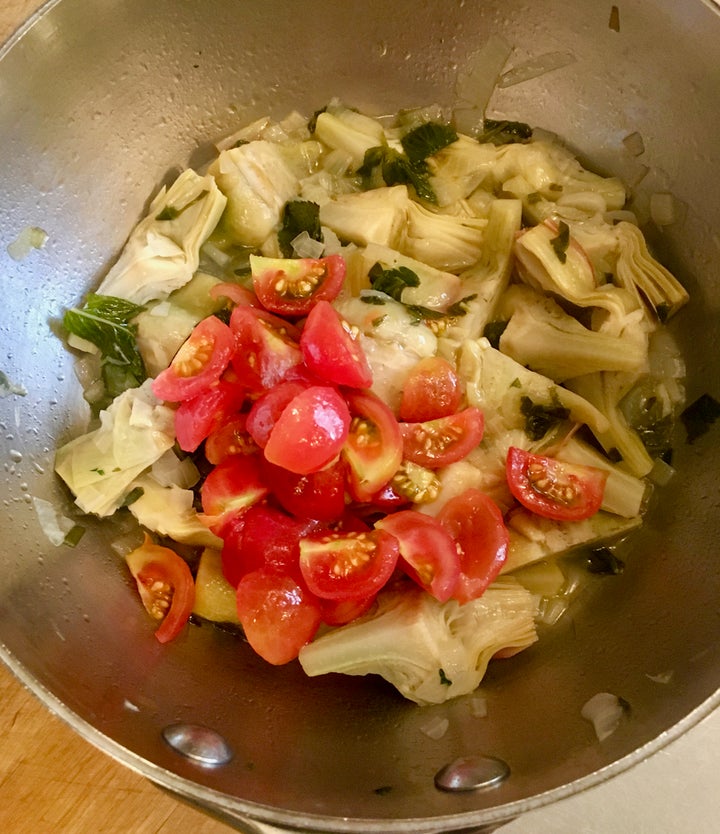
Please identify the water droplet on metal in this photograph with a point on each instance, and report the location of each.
(471, 773)
(201, 744)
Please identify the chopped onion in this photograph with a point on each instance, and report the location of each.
(478, 707)
(634, 143)
(436, 727)
(664, 208)
(31, 237)
(222, 259)
(169, 469)
(161, 310)
(52, 523)
(551, 609)
(305, 246)
(662, 473)
(661, 677)
(338, 162)
(536, 67)
(604, 711)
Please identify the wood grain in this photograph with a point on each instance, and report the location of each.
(51, 780)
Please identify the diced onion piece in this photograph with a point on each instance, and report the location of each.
(663, 209)
(604, 711)
(305, 246)
(662, 473)
(535, 67)
(661, 677)
(52, 523)
(478, 707)
(634, 143)
(551, 609)
(31, 237)
(435, 728)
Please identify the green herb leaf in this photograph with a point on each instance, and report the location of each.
(171, 212)
(493, 331)
(397, 169)
(444, 679)
(427, 139)
(132, 496)
(106, 321)
(298, 216)
(539, 419)
(392, 281)
(460, 308)
(561, 241)
(312, 124)
(74, 535)
(504, 132)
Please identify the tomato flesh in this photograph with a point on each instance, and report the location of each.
(266, 410)
(165, 584)
(348, 565)
(199, 362)
(552, 488)
(266, 347)
(293, 286)
(196, 418)
(310, 431)
(431, 390)
(231, 487)
(331, 349)
(278, 615)
(319, 495)
(476, 524)
(428, 553)
(437, 443)
(229, 438)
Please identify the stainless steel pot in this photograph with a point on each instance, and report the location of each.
(98, 102)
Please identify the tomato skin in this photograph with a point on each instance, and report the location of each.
(278, 615)
(437, 443)
(319, 495)
(199, 362)
(293, 286)
(331, 351)
(476, 524)
(552, 488)
(235, 294)
(431, 390)
(310, 431)
(231, 487)
(229, 438)
(266, 347)
(374, 446)
(345, 565)
(266, 410)
(428, 553)
(195, 419)
(165, 585)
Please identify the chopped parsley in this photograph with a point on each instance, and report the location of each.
(539, 419)
(392, 281)
(504, 132)
(493, 331)
(444, 679)
(298, 216)
(561, 241)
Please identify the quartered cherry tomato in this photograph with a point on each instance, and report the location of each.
(310, 431)
(331, 349)
(229, 438)
(269, 406)
(431, 390)
(266, 347)
(476, 524)
(437, 443)
(231, 487)
(428, 553)
(552, 488)
(278, 615)
(293, 286)
(196, 418)
(319, 495)
(347, 565)
(199, 362)
(165, 584)
(374, 448)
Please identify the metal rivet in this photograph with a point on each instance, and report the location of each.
(471, 773)
(201, 744)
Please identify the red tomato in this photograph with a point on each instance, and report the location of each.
(374, 447)
(201, 360)
(261, 537)
(269, 406)
(337, 612)
(232, 486)
(436, 443)
(475, 522)
(266, 347)
(278, 615)
(229, 438)
(431, 390)
(331, 349)
(554, 489)
(165, 584)
(292, 286)
(347, 565)
(428, 553)
(195, 419)
(310, 432)
(234, 293)
(319, 495)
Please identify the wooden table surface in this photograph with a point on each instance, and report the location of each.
(72, 788)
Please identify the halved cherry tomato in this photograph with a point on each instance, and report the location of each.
(319, 495)
(231, 487)
(165, 584)
(374, 447)
(431, 390)
(269, 406)
(199, 362)
(231, 437)
(195, 419)
(261, 537)
(266, 347)
(292, 286)
(428, 553)
(476, 524)
(331, 349)
(554, 489)
(347, 565)
(437, 443)
(278, 615)
(310, 432)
